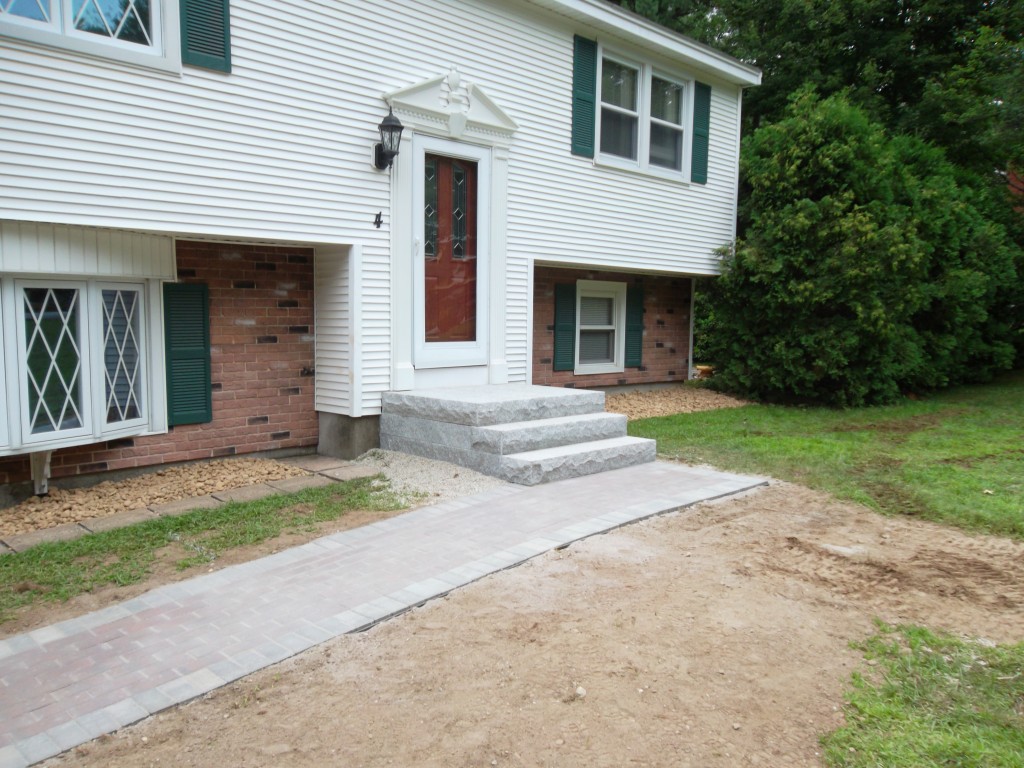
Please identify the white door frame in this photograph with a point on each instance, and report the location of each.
(449, 116)
(453, 353)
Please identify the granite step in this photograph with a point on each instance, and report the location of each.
(493, 404)
(521, 436)
(550, 464)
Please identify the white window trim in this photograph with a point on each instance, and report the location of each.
(643, 164)
(14, 423)
(616, 292)
(445, 354)
(164, 54)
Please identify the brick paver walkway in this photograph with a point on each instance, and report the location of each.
(65, 684)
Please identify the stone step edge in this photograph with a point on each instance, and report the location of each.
(529, 408)
(551, 464)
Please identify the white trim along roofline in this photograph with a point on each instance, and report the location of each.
(604, 16)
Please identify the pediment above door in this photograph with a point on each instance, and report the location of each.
(451, 107)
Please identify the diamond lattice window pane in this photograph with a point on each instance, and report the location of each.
(54, 360)
(122, 359)
(37, 10)
(127, 20)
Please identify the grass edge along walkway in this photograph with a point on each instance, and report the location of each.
(57, 571)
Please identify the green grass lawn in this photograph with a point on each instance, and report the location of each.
(955, 458)
(60, 570)
(933, 700)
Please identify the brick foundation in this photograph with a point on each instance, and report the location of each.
(261, 334)
(666, 348)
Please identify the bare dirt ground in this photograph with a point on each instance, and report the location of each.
(714, 637)
(711, 638)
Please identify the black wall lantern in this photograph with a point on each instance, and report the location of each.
(390, 136)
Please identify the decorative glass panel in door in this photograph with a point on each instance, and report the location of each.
(122, 358)
(450, 254)
(53, 357)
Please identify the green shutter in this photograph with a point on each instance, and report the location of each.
(564, 357)
(187, 339)
(206, 34)
(634, 326)
(701, 133)
(584, 96)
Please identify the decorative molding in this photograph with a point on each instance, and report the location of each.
(449, 106)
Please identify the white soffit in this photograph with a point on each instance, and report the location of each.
(611, 19)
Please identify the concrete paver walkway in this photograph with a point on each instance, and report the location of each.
(68, 683)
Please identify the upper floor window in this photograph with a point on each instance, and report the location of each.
(154, 33)
(123, 21)
(632, 115)
(641, 115)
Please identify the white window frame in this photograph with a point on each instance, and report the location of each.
(643, 162)
(163, 54)
(617, 293)
(15, 424)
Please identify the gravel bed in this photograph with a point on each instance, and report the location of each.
(428, 480)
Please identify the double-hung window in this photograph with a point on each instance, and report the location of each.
(642, 115)
(630, 114)
(601, 320)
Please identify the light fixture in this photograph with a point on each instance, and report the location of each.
(390, 136)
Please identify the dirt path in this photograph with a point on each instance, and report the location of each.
(716, 637)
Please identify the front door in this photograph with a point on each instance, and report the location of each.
(449, 249)
(450, 210)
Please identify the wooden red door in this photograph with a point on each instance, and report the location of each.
(449, 251)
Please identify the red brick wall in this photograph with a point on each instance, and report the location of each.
(666, 349)
(261, 335)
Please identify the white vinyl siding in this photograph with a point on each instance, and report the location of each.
(333, 317)
(29, 247)
(5, 437)
(280, 150)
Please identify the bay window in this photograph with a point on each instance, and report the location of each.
(81, 373)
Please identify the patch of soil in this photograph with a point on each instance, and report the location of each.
(73, 505)
(713, 638)
(665, 401)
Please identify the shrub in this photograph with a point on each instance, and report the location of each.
(864, 269)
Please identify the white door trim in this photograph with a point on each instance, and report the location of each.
(453, 353)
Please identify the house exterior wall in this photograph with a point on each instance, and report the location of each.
(666, 340)
(261, 317)
(279, 150)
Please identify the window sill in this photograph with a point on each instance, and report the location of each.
(169, 61)
(651, 171)
(588, 370)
